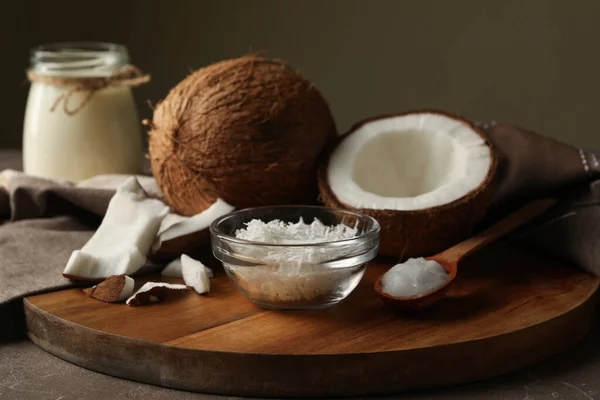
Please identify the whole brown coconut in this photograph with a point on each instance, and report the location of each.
(247, 130)
(406, 171)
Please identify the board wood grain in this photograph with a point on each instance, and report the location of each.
(509, 308)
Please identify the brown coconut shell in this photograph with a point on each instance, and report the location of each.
(109, 290)
(422, 233)
(247, 130)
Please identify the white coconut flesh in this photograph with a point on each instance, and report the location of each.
(173, 269)
(195, 274)
(408, 162)
(127, 289)
(175, 225)
(121, 242)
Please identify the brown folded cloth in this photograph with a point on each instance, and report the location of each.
(539, 166)
(535, 165)
(50, 219)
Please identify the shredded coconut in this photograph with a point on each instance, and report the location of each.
(279, 232)
(293, 259)
(290, 273)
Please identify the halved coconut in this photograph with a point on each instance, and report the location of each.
(425, 176)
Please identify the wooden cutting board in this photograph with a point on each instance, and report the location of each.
(509, 308)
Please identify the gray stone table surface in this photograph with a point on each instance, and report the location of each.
(27, 372)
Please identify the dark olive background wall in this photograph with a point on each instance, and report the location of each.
(531, 62)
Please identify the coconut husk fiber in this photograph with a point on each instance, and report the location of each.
(247, 130)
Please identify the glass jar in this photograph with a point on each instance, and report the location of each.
(79, 120)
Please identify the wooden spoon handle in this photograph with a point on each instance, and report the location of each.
(504, 226)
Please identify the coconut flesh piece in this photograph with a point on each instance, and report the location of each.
(194, 274)
(154, 292)
(177, 234)
(173, 270)
(124, 237)
(424, 176)
(114, 289)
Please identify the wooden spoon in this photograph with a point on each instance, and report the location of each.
(450, 258)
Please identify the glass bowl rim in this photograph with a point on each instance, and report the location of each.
(214, 230)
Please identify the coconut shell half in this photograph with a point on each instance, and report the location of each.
(426, 176)
(248, 130)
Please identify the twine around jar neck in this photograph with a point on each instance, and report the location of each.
(125, 76)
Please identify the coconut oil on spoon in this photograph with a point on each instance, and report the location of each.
(418, 283)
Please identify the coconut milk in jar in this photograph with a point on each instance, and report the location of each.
(81, 119)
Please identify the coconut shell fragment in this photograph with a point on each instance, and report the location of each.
(114, 289)
(248, 131)
(154, 292)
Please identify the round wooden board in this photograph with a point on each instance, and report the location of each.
(508, 309)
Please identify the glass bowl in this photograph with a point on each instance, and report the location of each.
(298, 275)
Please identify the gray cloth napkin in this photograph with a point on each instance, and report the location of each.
(34, 253)
(49, 219)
